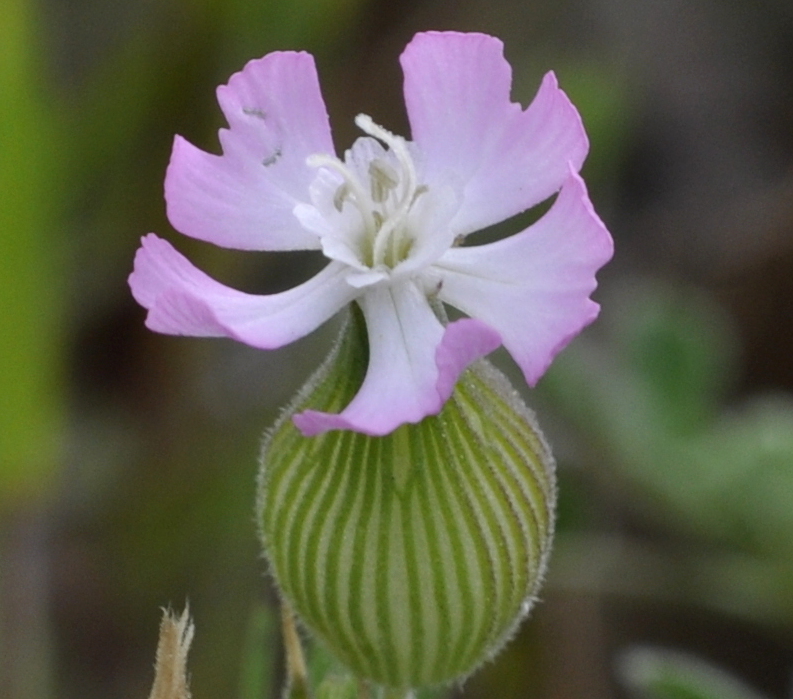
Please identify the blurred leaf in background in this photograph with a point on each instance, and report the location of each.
(650, 400)
(31, 282)
(32, 357)
(655, 673)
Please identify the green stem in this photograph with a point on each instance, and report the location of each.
(297, 675)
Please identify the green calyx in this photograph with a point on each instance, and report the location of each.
(334, 687)
(415, 555)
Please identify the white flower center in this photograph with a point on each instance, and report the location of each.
(382, 191)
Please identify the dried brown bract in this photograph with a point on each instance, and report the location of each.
(170, 673)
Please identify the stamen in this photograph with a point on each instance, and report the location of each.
(421, 189)
(341, 195)
(387, 234)
(355, 191)
(384, 202)
(398, 146)
(390, 237)
(383, 180)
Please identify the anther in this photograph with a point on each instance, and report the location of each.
(341, 195)
(383, 179)
(421, 189)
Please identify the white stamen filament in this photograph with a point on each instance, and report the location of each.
(392, 228)
(385, 206)
(359, 196)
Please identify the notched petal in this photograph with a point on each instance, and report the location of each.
(533, 288)
(182, 300)
(457, 91)
(244, 198)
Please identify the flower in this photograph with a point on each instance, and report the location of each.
(390, 217)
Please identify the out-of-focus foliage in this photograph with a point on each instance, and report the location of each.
(650, 399)
(31, 284)
(652, 673)
(257, 677)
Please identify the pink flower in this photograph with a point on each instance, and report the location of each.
(389, 217)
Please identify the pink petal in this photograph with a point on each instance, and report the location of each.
(182, 300)
(400, 382)
(464, 342)
(244, 198)
(533, 288)
(457, 91)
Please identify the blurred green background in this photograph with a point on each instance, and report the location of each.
(128, 459)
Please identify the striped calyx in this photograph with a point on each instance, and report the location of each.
(412, 556)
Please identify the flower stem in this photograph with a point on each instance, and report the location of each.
(297, 675)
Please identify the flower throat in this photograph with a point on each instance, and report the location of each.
(384, 206)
